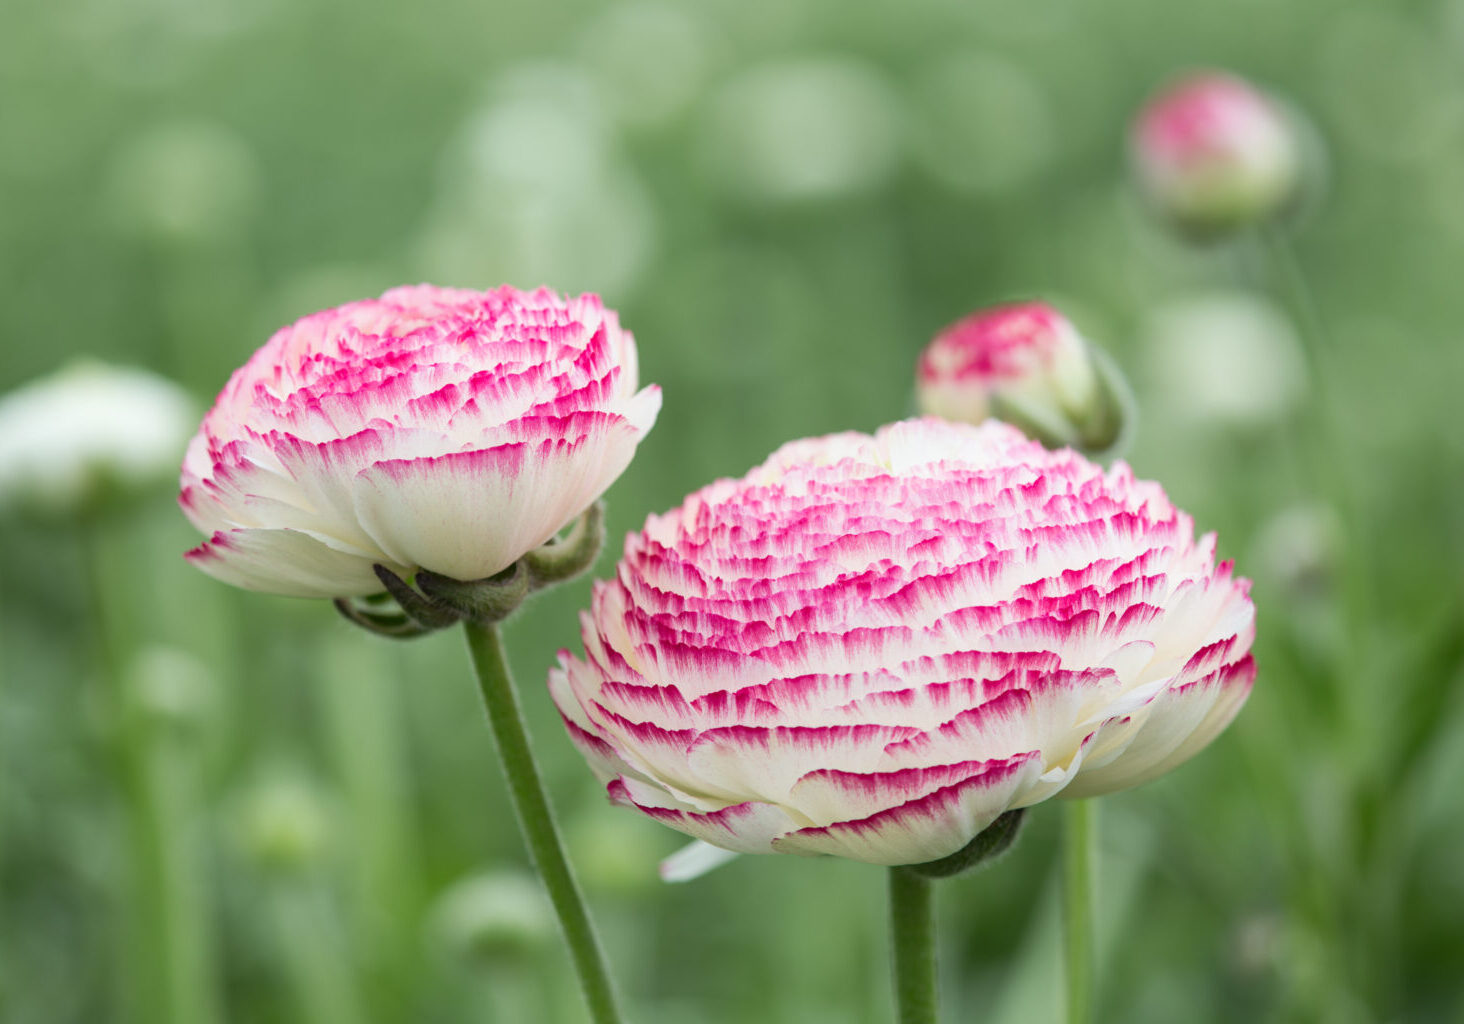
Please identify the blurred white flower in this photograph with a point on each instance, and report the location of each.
(284, 823)
(173, 688)
(803, 129)
(1297, 548)
(87, 433)
(185, 181)
(1224, 358)
(652, 57)
(534, 189)
(491, 917)
(156, 44)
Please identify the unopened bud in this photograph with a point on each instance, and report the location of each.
(173, 689)
(1026, 364)
(1214, 155)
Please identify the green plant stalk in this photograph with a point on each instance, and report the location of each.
(167, 950)
(360, 714)
(1329, 460)
(505, 717)
(311, 945)
(1078, 838)
(912, 941)
(1374, 968)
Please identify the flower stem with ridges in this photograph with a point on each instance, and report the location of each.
(505, 717)
(1077, 907)
(912, 935)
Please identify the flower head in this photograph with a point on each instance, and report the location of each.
(1215, 154)
(874, 646)
(89, 432)
(439, 429)
(1026, 364)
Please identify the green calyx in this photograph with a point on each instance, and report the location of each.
(1098, 426)
(433, 601)
(989, 843)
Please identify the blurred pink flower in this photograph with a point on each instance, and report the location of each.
(1026, 364)
(432, 428)
(874, 646)
(1215, 154)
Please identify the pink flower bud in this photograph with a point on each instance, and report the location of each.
(1214, 154)
(1023, 363)
(874, 646)
(433, 428)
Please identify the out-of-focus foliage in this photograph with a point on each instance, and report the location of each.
(784, 199)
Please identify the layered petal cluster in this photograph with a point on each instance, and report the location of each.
(431, 428)
(1215, 154)
(873, 646)
(1024, 363)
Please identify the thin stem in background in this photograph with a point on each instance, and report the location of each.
(505, 717)
(1373, 971)
(167, 944)
(912, 941)
(359, 704)
(1079, 835)
(1330, 458)
(311, 948)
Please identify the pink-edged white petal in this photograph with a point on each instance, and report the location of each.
(286, 562)
(432, 428)
(928, 824)
(1179, 722)
(694, 860)
(747, 827)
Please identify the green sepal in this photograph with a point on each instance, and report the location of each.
(990, 842)
(433, 601)
(487, 600)
(566, 557)
(394, 625)
(425, 612)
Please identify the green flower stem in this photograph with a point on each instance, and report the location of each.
(537, 821)
(311, 952)
(1374, 968)
(912, 935)
(360, 715)
(1079, 833)
(1329, 459)
(167, 953)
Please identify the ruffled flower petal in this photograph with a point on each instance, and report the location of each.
(432, 428)
(874, 646)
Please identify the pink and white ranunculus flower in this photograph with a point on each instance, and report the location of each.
(1024, 363)
(874, 646)
(432, 428)
(1214, 154)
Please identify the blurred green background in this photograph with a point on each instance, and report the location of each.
(784, 198)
